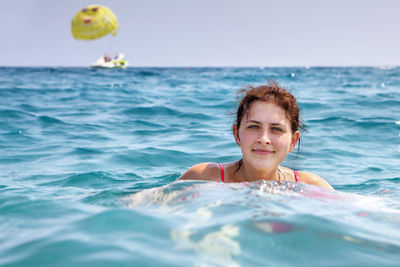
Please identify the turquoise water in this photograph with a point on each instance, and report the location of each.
(89, 156)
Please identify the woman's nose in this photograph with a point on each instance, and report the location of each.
(264, 138)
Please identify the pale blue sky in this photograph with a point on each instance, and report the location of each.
(208, 33)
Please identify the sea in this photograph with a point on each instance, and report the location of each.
(90, 157)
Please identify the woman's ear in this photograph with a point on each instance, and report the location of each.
(236, 134)
(293, 142)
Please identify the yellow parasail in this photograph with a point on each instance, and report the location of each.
(93, 22)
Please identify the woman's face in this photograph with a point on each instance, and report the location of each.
(265, 136)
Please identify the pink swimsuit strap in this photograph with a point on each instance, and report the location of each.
(296, 174)
(222, 172)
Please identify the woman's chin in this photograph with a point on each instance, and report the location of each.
(264, 165)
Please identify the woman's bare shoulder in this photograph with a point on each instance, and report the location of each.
(310, 178)
(203, 171)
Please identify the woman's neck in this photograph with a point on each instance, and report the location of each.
(249, 174)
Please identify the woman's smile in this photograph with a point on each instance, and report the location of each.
(263, 152)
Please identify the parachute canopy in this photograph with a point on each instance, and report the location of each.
(94, 22)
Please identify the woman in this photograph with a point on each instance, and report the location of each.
(267, 130)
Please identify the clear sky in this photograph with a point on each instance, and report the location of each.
(208, 33)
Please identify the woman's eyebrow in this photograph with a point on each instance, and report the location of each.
(258, 122)
(252, 121)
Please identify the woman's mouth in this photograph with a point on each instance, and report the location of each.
(263, 151)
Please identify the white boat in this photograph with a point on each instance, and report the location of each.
(106, 61)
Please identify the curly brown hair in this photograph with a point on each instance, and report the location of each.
(270, 93)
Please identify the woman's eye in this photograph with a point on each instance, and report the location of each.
(276, 129)
(253, 127)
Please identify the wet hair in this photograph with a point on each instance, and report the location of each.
(270, 93)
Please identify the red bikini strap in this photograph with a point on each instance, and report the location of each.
(222, 172)
(296, 176)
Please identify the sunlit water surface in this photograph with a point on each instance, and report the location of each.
(89, 159)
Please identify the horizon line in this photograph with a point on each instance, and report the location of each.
(211, 66)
